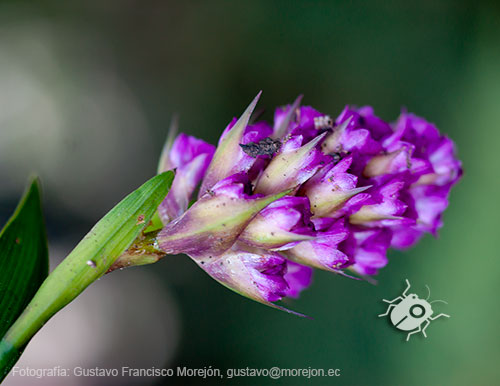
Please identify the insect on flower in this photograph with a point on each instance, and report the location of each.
(411, 313)
(267, 146)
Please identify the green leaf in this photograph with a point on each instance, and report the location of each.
(90, 259)
(155, 224)
(24, 260)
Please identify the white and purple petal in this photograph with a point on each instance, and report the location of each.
(281, 225)
(331, 188)
(368, 249)
(292, 166)
(322, 252)
(190, 157)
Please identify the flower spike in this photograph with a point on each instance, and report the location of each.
(306, 192)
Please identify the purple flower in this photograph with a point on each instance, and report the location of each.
(383, 208)
(434, 170)
(298, 277)
(397, 161)
(285, 118)
(426, 147)
(367, 249)
(306, 192)
(280, 225)
(331, 188)
(292, 166)
(190, 157)
(378, 128)
(213, 223)
(229, 157)
(427, 203)
(292, 120)
(261, 275)
(352, 135)
(322, 252)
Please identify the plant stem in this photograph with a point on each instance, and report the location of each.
(144, 250)
(66, 282)
(92, 257)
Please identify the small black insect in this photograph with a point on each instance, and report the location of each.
(266, 146)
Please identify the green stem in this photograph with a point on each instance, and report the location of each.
(144, 250)
(109, 239)
(8, 358)
(64, 284)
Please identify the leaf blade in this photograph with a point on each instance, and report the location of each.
(23, 256)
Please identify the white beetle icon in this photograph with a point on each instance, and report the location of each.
(411, 313)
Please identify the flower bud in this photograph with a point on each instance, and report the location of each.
(190, 157)
(396, 161)
(292, 121)
(258, 274)
(428, 202)
(229, 158)
(331, 187)
(214, 222)
(351, 135)
(284, 118)
(322, 251)
(294, 165)
(368, 249)
(383, 207)
(280, 225)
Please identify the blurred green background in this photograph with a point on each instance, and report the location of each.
(87, 90)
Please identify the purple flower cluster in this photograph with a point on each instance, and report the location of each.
(307, 192)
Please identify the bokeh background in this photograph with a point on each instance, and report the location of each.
(87, 90)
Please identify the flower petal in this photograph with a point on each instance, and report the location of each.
(259, 275)
(280, 225)
(190, 157)
(291, 168)
(331, 187)
(322, 252)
